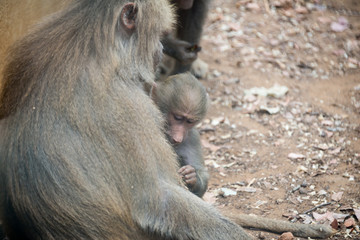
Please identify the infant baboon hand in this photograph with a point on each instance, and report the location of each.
(189, 175)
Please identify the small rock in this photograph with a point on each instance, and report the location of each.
(341, 25)
(225, 137)
(261, 235)
(216, 73)
(350, 222)
(302, 169)
(302, 190)
(327, 123)
(324, 20)
(253, 7)
(322, 147)
(286, 236)
(276, 91)
(267, 185)
(217, 121)
(231, 81)
(269, 110)
(226, 192)
(301, 10)
(322, 192)
(304, 184)
(295, 156)
(250, 98)
(246, 189)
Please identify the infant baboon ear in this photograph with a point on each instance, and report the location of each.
(128, 16)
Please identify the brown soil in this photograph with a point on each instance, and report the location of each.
(320, 108)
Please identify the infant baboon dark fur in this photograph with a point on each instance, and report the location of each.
(183, 101)
(82, 150)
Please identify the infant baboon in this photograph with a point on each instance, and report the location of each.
(183, 102)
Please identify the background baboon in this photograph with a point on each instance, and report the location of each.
(183, 44)
(183, 101)
(82, 149)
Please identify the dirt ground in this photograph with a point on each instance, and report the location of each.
(279, 152)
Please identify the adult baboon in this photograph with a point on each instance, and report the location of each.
(82, 149)
(183, 102)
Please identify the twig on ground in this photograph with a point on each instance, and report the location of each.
(316, 207)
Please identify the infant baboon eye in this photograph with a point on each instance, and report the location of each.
(178, 117)
(190, 121)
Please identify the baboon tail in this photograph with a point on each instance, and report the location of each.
(277, 226)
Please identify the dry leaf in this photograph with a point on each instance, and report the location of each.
(210, 197)
(301, 169)
(323, 217)
(339, 216)
(328, 123)
(211, 163)
(253, 7)
(246, 189)
(324, 20)
(346, 208)
(322, 147)
(210, 146)
(337, 196)
(335, 151)
(301, 10)
(334, 224)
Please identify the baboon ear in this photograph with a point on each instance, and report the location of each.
(128, 16)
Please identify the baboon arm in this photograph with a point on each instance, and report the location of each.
(190, 153)
(198, 219)
(277, 226)
(202, 182)
(192, 21)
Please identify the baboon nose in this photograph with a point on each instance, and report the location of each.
(177, 139)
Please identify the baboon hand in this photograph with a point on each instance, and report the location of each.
(182, 51)
(189, 175)
(184, 54)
